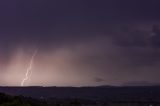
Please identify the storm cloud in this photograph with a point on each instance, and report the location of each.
(110, 41)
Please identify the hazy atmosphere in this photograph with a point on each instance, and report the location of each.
(79, 42)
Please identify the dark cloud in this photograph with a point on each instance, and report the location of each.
(99, 79)
(114, 38)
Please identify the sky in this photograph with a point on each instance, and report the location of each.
(79, 42)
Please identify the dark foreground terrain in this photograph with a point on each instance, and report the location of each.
(81, 96)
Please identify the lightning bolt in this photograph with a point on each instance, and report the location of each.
(29, 71)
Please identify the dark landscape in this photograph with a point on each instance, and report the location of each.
(81, 96)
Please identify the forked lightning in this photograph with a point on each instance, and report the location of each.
(29, 69)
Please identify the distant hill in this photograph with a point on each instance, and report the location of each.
(100, 92)
(140, 83)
